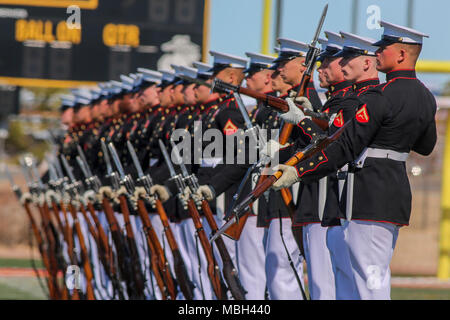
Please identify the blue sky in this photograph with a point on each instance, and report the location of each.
(236, 24)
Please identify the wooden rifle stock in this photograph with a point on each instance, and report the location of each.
(308, 152)
(235, 230)
(105, 251)
(124, 264)
(70, 247)
(62, 229)
(163, 264)
(213, 269)
(51, 241)
(282, 106)
(229, 271)
(51, 281)
(137, 271)
(84, 254)
(181, 274)
(154, 256)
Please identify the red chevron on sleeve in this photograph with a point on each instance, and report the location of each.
(362, 116)
(229, 128)
(339, 120)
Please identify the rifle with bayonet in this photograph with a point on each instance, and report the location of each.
(72, 189)
(317, 145)
(167, 286)
(145, 181)
(212, 267)
(130, 265)
(37, 191)
(106, 253)
(229, 272)
(279, 104)
(66, 231)
(321, 119)
(52, 284)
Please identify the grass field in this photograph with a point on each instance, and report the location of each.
(28, 288)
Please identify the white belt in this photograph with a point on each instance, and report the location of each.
(369, 153)
(210, 162)
(381, 154)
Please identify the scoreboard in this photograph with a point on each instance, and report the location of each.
(61, 43)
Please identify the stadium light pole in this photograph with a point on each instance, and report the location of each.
(266, 22)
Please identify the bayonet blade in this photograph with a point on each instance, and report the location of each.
(67, 168)
(116, 160)
(51, 170)
(36, 174)
(106, 156)
(25, 171)
(83, 167)
(135, 159)
(178, 159)
(83, 157)
(222, 229)
(14, 186)
(167, 158)
(58, 168)
(8, 175)
(243, 110)
(320, 25)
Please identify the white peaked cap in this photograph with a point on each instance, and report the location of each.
(150, 75)
(394, 33)
(364, 45)
(228, 60)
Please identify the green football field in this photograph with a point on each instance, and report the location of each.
(28, 288)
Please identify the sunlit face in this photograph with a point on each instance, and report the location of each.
(67, 117)
(292, 70)
(177, 94)
(104, 108)
(189, 94)
(278, 83)
(387, 57)
(149, 96)
(134, 104)
(125, 103)
(165, 96)
(332, 70)
(352, 67)
(83, 115)
(95, 111)
(322, 80)
(258, 81)
(202, 93)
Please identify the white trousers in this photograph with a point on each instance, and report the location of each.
(371, 245)
(320, 272)
(341, 264)
(281, 281)
(199, 275)
(250, 259)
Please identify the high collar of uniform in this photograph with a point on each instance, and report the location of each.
(406, 73)
(339, 86)
(364, 83)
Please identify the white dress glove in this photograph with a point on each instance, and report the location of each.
(289, 177)
(304, 102)
(185, 197)
(161, 191)
(294, 115)
(204, 192)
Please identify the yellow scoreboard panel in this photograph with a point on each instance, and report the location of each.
(83, 4)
